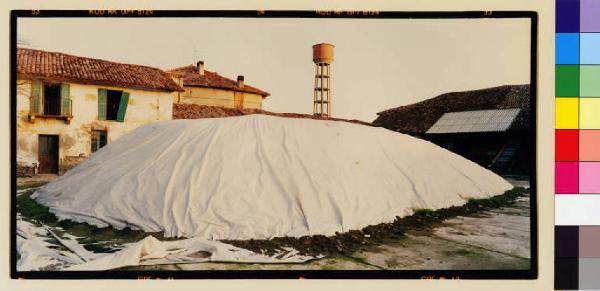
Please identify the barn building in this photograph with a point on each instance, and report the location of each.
(70, 106)
(491, 127)
(203, 87)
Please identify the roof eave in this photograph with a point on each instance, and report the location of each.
(95, 82)
(264, 94)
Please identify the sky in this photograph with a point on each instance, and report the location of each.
(379, 63)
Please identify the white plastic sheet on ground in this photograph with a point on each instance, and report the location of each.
(151, 251)
(260, 177)
(37, 254)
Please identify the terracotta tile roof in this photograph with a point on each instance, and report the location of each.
(419, 117)
(192, 78)
(195, 111)
(59, 67)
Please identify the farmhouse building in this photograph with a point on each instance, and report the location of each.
(203, 87)
(490, 126)
(70, 106)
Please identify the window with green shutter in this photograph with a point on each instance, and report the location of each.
(102, 96)
(112, 104)
(65, 100)
(122, 106)
(51, 99)
(98, 139)
(35, 103)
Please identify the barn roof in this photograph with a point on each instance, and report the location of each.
(495, 120)
(420, 117)
(60, 67)
(192, 78)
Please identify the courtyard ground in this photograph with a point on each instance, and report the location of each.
(492, 239)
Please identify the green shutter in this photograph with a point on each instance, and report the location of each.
(36, 96)
(102, 96)
(123, 106)
(65, 100)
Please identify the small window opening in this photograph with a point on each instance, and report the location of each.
(112, 104)
(51, 99)
(98, 139)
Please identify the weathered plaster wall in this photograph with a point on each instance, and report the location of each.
(252, 101)
(218, 97)
(75, 137)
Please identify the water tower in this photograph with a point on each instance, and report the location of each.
(322, 57)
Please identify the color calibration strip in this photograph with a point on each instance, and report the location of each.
(577, 145)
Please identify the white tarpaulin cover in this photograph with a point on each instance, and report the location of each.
(36, 253)
(150, 251)
(260, 176)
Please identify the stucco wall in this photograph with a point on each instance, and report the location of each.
(75, 137)
(252, 101)
(218, 97)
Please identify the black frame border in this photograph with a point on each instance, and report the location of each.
(532, 273)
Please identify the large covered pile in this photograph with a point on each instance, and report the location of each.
(261, 176)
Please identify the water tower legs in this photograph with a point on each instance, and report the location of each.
(322, 92)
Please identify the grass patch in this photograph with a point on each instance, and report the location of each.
(424, 212)
(97, 239)
(31, 185)
(462, 252)
(348, 242)
(31, 209)
(518, 177)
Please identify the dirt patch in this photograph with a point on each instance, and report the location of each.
(36, 181)
(194, 111)
(348, 242)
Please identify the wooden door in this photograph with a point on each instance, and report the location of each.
(48, 153)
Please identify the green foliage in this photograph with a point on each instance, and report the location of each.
(31, 209)
(424, 212)
(93, 238)
(505, 199)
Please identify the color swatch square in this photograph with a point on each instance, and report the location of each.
(567, 16)
(590, 48)
(589, 113)
(566, 241)
(566, 144)
(566, 273)
(567, 80)
(589, 20)
(590, 80)
(567, 177)
(567, 113)
(589, 177)
(567, 48)
(589, 146)
(589, 242)
(588, 274)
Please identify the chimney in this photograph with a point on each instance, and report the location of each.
(240, 81)
(200, 67)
